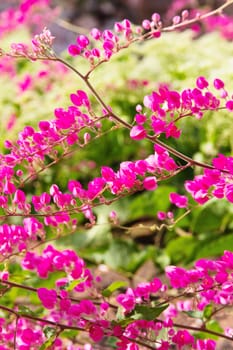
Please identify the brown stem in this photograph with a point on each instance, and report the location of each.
(196, 329)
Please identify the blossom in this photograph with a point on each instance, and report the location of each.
(47, 297)
(178, 200)
(138, 132)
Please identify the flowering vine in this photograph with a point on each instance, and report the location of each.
(138, 317)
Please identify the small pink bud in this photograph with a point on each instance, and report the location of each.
(74, 50)
(202, 83)
(223, 93)
(155, 17)
(96, 33)
(184, 15)
(86, 137)
(83, 41)
(156, 34)
(139, 108)
(229, 105)
(218, 84)
(176, 20)
(161, 215)
(146, 24)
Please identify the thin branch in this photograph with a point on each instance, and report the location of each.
(71, 27)
(217, 11)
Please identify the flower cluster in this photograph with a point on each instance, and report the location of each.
(170, 106)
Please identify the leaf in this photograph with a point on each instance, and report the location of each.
(119, 254)
(213, 247)
(112, 287)
(48, 343)
(209, 218)
(49, 332)
(214, 326)
(194, 314)
(148, 313)
(71, 285)
(24, 310)
(207, 313)
(181, 249)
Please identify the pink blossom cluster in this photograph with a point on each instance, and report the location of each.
(214, 183)
(210, 280)
(170, 106)
(16, 238)
(109, 42)
(52, 260)
(29, 335)
(41, 47)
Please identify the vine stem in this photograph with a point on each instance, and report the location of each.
(219, 10)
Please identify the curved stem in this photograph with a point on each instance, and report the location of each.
(208, 331)
(219, 10)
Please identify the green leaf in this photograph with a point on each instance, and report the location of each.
(214, 326)
(24, 310)
(207, 313)
(49, 332)
(146, 312)
(181, 249)
(112, 287)
(71, 285)
(194, 314)
(48, 343)
(213, 247)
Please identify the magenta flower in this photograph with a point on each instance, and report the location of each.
(74, 50)
(178, 200)
(229, 105)
(96, 333)
(137, 132)
(150, 183)
(47, 297)
(183, 337)
(202, 83)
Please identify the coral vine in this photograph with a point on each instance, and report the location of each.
(140, 317)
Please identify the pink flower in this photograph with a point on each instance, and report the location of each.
(28, 336)
(83, 41)
(178, 200)
(161, 215)
(138, 132)
(218, 84)
(183, 337)
(96, 333)
(47, 297)
(74, 50)
(229, 105)
(127, 300)
(150, 183)
(202, 83)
